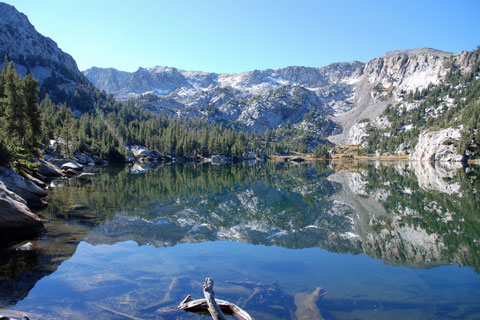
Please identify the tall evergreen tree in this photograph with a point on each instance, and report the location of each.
(2, 84)
(33, 116)
(14, 106)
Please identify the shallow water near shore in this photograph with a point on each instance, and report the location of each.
(383, 241)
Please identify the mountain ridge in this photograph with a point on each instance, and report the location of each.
(346, 92)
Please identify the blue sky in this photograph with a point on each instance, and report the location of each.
(235, 36)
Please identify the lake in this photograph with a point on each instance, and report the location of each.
(283, 241)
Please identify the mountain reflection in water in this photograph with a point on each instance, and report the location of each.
(413, 215)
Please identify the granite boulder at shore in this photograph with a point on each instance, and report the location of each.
(16, 217)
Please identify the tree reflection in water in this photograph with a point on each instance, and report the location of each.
(407, 214)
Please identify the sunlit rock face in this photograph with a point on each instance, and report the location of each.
(329, 101)
(437, 146)
(34, 52)
(408, 69)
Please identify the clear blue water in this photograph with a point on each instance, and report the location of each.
(383, 243)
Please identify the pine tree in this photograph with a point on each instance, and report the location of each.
(2, 83)
(14, 106)
(33, 116)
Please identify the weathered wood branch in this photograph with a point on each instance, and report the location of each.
(213, 308)
(220, 307)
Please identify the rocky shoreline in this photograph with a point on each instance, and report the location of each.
(22, 194)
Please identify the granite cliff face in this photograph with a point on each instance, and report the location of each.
(437, 146)
(31, 51)
(424, 90)
(35, 54)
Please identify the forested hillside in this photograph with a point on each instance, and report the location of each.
(112, 127)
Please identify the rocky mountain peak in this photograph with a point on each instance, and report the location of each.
(417, 52)
(408, 69)
(29, 49)
(35, 54)
(10, 16)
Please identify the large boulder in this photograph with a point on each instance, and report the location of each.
(437, 146)
(37, 181)
(16, 219)
(73, 165)
(48, 170)
(24, 188)
(140, 152)
(83, 158)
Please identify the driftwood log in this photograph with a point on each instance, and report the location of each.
(213, 308)
(216, 307)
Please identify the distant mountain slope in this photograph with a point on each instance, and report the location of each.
(258, 100)
(34, 54)
(438, 123)
(341, 93)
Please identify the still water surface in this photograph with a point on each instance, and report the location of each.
(382, 241)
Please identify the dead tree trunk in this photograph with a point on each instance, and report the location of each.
(213, 308)
(216, 307)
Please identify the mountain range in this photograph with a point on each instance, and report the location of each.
(342, 93)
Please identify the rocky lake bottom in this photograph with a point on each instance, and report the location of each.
(322, 240)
